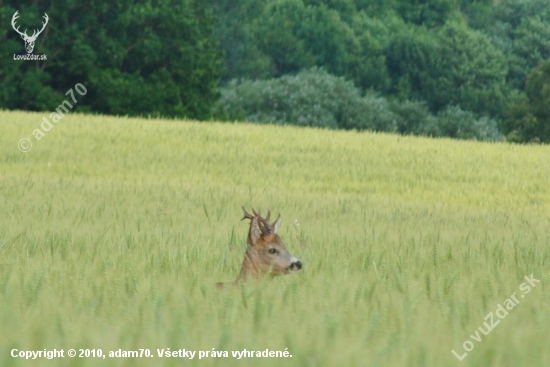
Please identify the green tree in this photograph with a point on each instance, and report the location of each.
(134, 57)
(413, 59)
(513, 12)
(426, 12)
(282, 37)
(531, 45)
(297, 36)
(309, 98)
(530, 119)
(236, 34)
(276, 33)
(520, 30)
(455, 66)
(366, 58)
(376, 8)
(345, 8)
(477, 12)
(471, 74)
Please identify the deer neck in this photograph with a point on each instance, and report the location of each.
(249, 268)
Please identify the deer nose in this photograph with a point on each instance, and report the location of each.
(297, 265)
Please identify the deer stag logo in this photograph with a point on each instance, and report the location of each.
(265, 251)
(29, 40)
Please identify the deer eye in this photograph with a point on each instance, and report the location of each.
(272, 251)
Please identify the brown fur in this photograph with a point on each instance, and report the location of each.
(266, 254)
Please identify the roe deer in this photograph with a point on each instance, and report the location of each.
(265, 251)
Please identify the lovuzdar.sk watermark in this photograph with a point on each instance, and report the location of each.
(501, 312)
(29, 40)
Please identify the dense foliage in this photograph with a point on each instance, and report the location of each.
(529, 120)
(134, 57)
(316, 98)
(174, 57)
(448, 56)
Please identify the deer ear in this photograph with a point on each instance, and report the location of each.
(255, 230)
(276, 224)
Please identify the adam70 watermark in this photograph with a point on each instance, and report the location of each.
(25, 144)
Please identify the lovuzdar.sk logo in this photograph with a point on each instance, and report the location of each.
(29, 40)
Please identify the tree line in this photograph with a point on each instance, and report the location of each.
(134, 57)
(460, 68)
(488, 60)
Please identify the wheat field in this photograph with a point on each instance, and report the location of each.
(114, 231)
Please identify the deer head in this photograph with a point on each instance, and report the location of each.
(265, 251)
(29, 40)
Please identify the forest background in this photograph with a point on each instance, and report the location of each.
(461, 68)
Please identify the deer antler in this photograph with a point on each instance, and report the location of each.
(265, 227)
(273, 224)
(247, 215)
(256, 214)
(13, 19)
